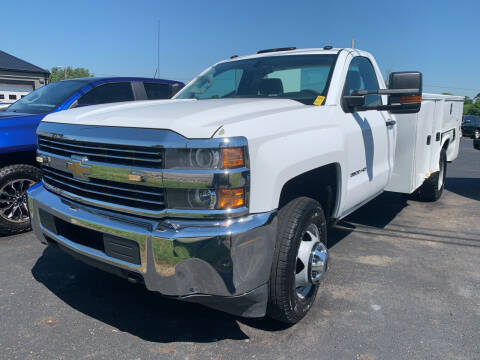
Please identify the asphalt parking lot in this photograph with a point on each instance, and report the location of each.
(404, 284)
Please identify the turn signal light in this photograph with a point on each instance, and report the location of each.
(231, 198)
(232, 158)
(410, 99)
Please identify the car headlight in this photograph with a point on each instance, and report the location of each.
(207, 178)
(225, 158)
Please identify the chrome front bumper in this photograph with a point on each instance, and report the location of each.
(220, 263)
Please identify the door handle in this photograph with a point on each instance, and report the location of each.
(390, 122)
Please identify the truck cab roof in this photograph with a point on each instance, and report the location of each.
(305, 51)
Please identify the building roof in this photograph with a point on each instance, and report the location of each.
(10, 62)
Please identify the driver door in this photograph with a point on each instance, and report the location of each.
(370, 137)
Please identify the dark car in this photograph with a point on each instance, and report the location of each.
(471, 126)
(18, 125)
(476, 144)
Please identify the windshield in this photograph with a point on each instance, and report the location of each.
(48, 98)
(297, 77)
(471, 119)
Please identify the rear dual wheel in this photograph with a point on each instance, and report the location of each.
(300, 260)
(432, 188)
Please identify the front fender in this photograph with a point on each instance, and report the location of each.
(277, 160)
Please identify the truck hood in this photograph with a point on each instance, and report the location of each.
(190, 118)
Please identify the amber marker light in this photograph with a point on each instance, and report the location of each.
(232, 158)
(411, 99)
(231, 198)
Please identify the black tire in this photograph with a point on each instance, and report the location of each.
(432, 188)
(8, 175)
(284, 303)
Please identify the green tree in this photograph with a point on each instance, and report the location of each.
(58, 74)
(472, 107)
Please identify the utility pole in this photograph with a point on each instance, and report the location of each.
(353, 44)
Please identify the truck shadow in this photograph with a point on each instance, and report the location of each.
(381, 211)
(132, 308)
(377, 213)
(466, 187)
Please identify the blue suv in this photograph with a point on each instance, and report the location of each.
(18, 124)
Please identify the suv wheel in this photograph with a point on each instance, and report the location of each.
(300, 260)
(15, 180)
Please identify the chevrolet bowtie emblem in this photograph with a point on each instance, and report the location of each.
(77, 167)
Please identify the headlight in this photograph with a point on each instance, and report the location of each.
(204, 158)
(207, 177)
(225, 158)
(206, 199)
(196, 199)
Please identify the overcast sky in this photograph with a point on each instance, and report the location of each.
(440, 38)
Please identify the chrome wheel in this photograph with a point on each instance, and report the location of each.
(311, 262)
(13, 200)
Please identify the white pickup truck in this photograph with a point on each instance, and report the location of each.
(222, 195)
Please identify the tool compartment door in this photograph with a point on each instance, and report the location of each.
(413, 149)
(425, 143)
(451, 125)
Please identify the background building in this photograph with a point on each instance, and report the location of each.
(18, 78)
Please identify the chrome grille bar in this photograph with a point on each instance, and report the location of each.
(114, 192)
(108, 153)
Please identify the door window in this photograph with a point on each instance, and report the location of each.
(157, 90)
(107, 93)
(361, 76)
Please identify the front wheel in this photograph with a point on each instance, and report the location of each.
(432, 188)
(14, 183)
(300, 260)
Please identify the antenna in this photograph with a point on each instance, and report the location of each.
(353, 44)
(157, 70)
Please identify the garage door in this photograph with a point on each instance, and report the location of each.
(9, 93)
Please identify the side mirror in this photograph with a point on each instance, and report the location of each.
(351, 102)
(411, 100)
(404, 95)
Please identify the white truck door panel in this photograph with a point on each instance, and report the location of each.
(368, 163)
(369, 151)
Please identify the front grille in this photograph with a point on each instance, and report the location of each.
(107, 153)
(132, 195)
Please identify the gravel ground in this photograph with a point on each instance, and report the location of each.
(404, 283)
